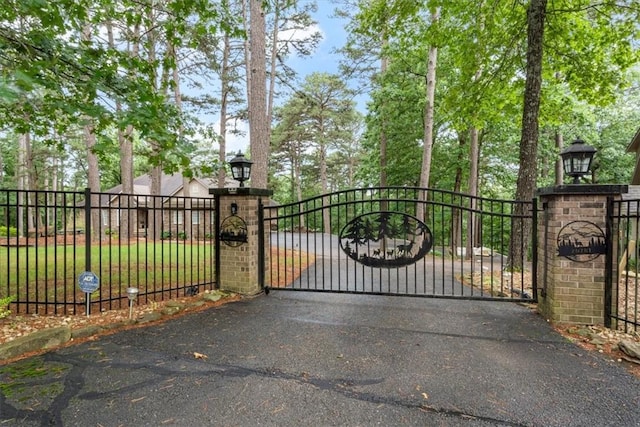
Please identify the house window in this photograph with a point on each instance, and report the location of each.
(177, 217)
(105, 217)
(195, 217)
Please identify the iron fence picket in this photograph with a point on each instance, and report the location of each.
(48, 240)
(446, 215)
(622, 282)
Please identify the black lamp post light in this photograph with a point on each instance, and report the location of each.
(576, 159)
(240, 168)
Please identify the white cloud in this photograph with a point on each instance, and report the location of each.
(299, 34)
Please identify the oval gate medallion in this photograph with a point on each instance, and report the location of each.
(386, 239)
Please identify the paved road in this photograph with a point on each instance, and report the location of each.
(291, 359)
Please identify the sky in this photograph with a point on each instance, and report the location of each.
(333, 37)
(323, 60)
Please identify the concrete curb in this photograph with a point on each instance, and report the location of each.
(39, 340)
(50, 338)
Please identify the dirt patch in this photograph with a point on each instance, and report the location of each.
(627, 296)
(499, 283)
(602, 340)
(286, 266)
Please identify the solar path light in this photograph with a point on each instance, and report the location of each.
(132, 293)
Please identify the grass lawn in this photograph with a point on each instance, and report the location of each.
(47, 274)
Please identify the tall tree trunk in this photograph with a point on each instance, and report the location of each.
(456, 223)
(126, 144)
(429, 110)
(326, 219)
(156, 172)
(274, 58)
(224, 100)
(384, 64)
(474, 154)
(259, 121)
(384, 204)
(559, 168)
(28, 174)
(528, 172)
(247, 45)
(186, 181)
(93, 168)
(93, 176)
(22, 179)
(298, 179)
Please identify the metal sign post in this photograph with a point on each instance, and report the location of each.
(88, 283)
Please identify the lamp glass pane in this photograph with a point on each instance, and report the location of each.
(236, 171)
(575, 164)
(584, 164)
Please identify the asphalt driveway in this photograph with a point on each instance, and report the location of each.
(293, 358)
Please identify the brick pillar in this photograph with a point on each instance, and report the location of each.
(239, 262)
(571, 258)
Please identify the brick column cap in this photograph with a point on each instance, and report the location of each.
(242, 191)
(599, 189)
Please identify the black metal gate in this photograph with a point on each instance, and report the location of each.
(402, 241)
(622, 273)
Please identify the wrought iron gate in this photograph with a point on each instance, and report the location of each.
(402, 241)
(622, 280)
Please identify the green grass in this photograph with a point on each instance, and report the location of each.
(49, 273)
(17, 379)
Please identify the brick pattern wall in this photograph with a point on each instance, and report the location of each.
(239, 265)
(570, 291)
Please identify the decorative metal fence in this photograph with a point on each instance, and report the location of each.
(164, 246)
(623, 272)
(403, 241)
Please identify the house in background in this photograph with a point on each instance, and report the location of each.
(171, 212)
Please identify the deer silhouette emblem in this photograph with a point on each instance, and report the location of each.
(405, 250)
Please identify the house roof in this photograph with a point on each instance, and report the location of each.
(170, 185)
(635, 143)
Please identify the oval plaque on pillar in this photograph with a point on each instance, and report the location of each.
(233, 231)
(581, 241)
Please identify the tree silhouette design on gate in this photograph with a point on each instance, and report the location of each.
(386, 239)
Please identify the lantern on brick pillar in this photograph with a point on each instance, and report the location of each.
(240, 168)
(576, 159)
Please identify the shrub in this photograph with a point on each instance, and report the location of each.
(4, 306)
(8, 232)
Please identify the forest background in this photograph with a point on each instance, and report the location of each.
(473, 96)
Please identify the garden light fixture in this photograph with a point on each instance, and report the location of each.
(240, 168)
(132, 293)
(576, 159)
